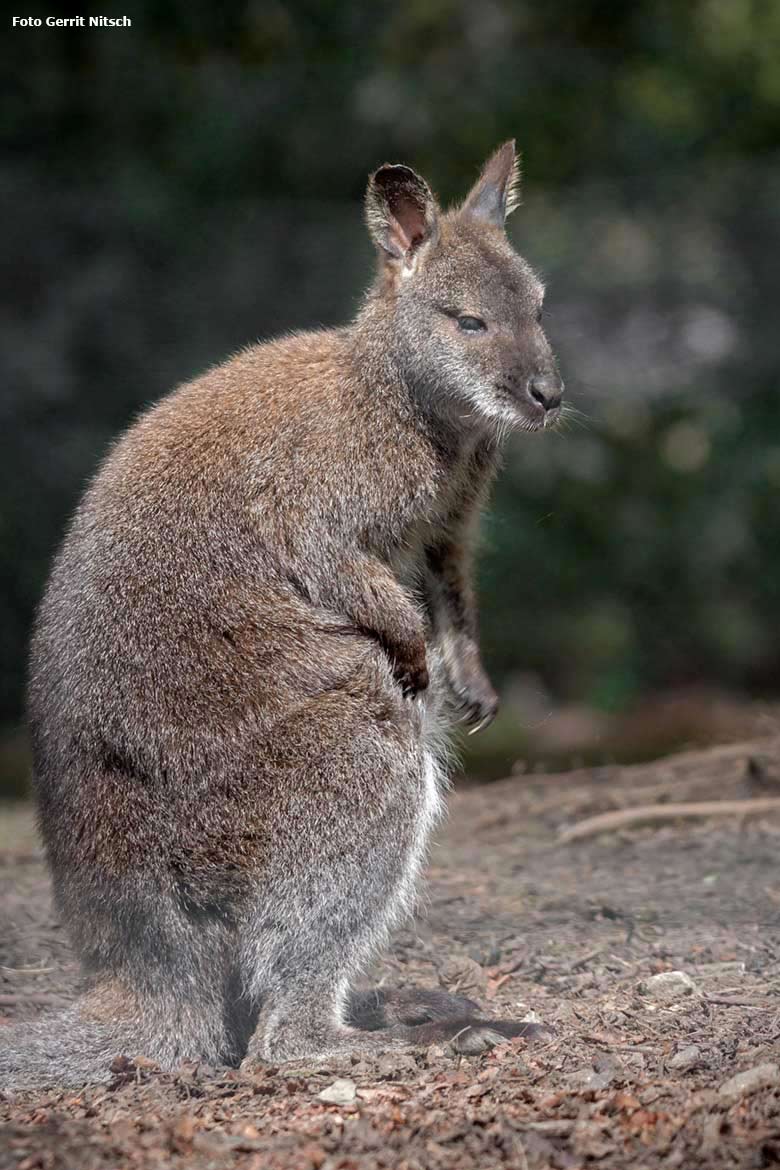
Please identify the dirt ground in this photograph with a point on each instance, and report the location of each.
(640, 1072)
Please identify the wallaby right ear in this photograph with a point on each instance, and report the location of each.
(496, 193)
(402, 215)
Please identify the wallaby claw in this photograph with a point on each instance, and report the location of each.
(412, 684)
(476, 713)
(472, 696)
(482, 1035)
(476, 1039)
(485, 721)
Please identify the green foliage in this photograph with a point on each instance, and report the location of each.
(648, 566)
(299, 99)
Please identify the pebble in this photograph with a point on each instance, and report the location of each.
(762, 1076)
(462, 975)
(590, 1078)
(391, 1066)
(685, 1058)
(437, 1053)
(341, 1092)
(668, 987)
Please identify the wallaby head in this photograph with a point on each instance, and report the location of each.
(463, 309)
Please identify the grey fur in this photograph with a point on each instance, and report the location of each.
(254, 638)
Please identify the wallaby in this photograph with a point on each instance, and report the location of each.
(255, 635)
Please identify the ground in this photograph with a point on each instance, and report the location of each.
(639, 1072)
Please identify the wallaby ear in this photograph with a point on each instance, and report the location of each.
(401, 213)
(496, 192)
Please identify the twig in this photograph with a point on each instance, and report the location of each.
(553, 1128)
(29, 997)
(27, 970)
(585, 959)
(726, 1002)
(646, 814)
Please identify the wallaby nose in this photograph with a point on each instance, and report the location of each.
(547, 390)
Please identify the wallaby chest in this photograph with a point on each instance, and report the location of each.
(460, 483)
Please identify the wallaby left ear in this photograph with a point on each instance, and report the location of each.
(401, 213)
(496, 193)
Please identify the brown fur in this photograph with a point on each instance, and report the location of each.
(259, 619)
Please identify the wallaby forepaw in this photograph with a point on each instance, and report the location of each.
(477, 708)
(474, 701)
(410, 667)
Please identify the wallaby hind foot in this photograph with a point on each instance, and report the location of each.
(453, 1018)
(380, 1007)
(295, 1032)
(298, 962)
(78, 1045)
(60, 1048)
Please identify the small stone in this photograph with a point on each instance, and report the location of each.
(599, 1075)
(685, 1058)
(462, 975)
(341, 1092)
(668, 987)
(392, 1066)
(762, 1076)
(438, 1053)
(588, 1078)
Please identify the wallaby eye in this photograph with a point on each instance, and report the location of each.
(471, 324)
(539, 315)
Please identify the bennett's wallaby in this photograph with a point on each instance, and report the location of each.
(259, 622)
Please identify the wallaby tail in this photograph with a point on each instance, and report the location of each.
(78, 1045)
(64, 1048)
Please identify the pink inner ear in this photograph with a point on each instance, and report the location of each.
(410, 218)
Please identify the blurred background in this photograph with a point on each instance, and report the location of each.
(175, 190)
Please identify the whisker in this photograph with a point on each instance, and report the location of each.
(574, 417)
(569, 408)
